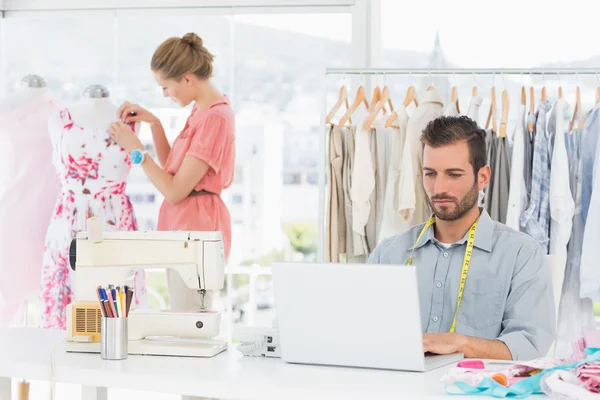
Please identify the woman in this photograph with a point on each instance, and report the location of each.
(200, 163)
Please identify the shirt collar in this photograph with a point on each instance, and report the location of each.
(483, 234)
(220, 101)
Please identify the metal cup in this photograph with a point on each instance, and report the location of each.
(113, 339)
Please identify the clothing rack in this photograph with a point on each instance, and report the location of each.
(416, 71)
(462, 71)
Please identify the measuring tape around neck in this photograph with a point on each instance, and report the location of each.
(465, 266)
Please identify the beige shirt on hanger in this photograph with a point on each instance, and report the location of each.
(414, 208)
(335, 233)
(392, 223)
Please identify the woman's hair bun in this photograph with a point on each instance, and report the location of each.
(193, 40)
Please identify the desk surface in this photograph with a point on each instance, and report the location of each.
(27, 353)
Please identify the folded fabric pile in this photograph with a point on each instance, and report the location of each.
(559, 378)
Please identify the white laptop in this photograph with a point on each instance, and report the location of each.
(356, 315)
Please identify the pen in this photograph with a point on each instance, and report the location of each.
(99, 294)
(113, 295)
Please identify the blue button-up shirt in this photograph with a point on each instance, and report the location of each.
(508, 293)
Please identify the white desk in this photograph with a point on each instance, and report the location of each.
(26, 353)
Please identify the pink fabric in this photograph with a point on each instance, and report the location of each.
(589, 374)
(28, 185)
(208, 135)
(93, 171)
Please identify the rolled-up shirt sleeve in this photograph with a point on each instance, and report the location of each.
(529, 323)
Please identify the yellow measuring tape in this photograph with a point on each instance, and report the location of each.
(465, 266)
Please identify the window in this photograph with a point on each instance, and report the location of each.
(292, 178)
(237, 199)
(313, 178)
(270, 65)
(440, 43)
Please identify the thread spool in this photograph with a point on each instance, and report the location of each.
(94, 229)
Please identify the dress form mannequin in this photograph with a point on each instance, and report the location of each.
(94, 110)
(31, 87)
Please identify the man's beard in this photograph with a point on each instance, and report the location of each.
(445, 213)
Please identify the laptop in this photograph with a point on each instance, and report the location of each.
(353, 315)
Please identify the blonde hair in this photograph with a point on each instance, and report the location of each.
(176, 57)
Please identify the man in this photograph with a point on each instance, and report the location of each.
(505, 306)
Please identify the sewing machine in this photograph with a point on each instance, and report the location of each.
(112, 257)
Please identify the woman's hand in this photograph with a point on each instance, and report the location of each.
(124, 136)
(129, 112)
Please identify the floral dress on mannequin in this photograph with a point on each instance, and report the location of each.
(93, 171)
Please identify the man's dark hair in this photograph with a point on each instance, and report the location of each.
(447, 130)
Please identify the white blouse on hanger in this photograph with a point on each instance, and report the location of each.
(414, 208)
(562, 206)
(473, 111)
(517, 194)
(392, 223)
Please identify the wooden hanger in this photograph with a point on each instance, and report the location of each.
(544, 95)
(374, 99)
(454, 98)
(598, 95)
(531, 109)
(523, 96)
(411, 96)
(492, 113)
(560, 92)
(358, 100)
(577, 113)
(343, 98)
(474, 92)
(383, 98)
(504, 118)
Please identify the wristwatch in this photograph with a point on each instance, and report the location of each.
(137, 156)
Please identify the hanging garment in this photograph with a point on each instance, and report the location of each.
(491, 142)
(93, 171)
(473, 111)
(536, 217)
(529, 138)
(363, 183)
(371, 226)
(336, 225)
(575, 315)
(28, 187)
(591, 130)
(562, 205)
(590, 252)
(451, 110)
(392, 222)
(498, 200)
(384, 139)
(414, 207)
(517, 196)
(356, 244)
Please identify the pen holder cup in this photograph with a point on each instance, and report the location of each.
(113, 339)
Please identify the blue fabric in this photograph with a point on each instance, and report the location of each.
(521, 389)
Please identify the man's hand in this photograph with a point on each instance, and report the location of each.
(443, 343)
(471, 347)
